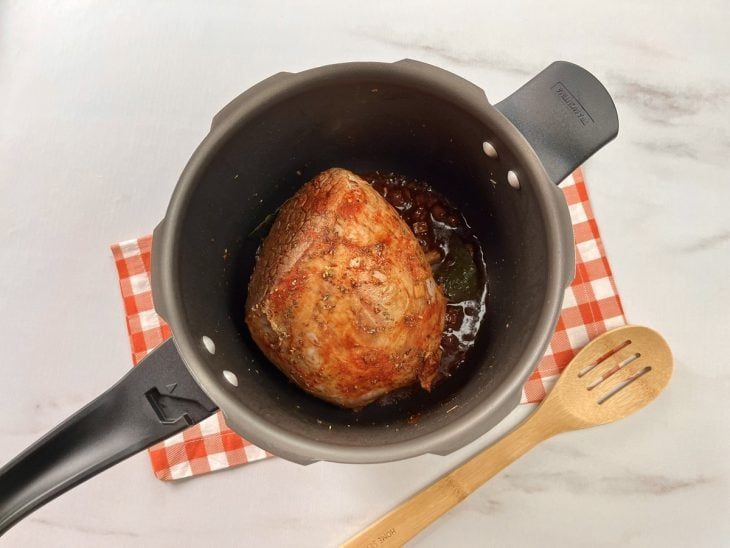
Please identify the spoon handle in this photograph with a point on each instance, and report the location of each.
(412, 516)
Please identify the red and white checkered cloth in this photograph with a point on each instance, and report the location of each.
(591, 306)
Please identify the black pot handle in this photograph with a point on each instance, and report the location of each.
(565, 113)
(156, 399)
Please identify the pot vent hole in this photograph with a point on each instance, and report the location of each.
(231, 377)
(489, 149)
(208, 344)
(491, 152)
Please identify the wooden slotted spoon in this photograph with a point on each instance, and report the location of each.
(616, 374)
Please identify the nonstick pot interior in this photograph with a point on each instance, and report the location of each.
(364, 123)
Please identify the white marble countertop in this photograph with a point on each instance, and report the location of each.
(100, 107)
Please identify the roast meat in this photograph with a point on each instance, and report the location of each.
(342, 298)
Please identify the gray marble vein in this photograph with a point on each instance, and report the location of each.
(674, 149)
(659, 103)
(708, 243)
(444, 50)
(624, 483)
(89, 532)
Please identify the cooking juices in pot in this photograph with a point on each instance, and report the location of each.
(454, 253)
(457, 264)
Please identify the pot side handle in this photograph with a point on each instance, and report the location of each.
(155, 400)
(565, 113)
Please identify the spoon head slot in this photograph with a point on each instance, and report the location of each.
(612, 378)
